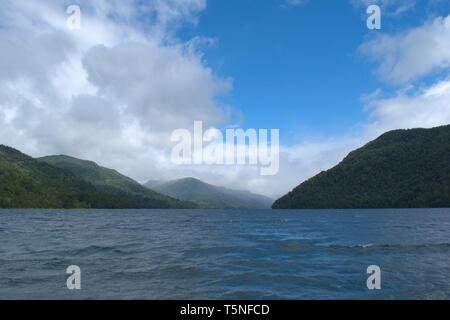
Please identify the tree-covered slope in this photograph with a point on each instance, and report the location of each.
(400, 169)
(212, 197)
(111, 181)
(27, 183)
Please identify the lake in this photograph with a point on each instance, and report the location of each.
(225, 254)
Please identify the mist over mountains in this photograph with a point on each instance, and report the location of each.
(210, 196)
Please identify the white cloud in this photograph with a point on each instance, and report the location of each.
(403, 59)
(411, 54)
(112, 91)
(430, 107)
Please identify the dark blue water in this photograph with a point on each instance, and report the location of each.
(213, 254)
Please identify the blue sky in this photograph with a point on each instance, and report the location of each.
(298, 68)
(281, 68)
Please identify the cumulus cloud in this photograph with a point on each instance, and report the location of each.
(411, 54)
(112, 91)
(402, 59)
(426, 108)
(163, 88)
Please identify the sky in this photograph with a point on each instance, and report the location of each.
(115, 90)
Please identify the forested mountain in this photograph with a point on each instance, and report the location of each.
(400, 169)
(27, 183)
(210, 196)
(111, 181)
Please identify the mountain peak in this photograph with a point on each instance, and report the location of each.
(399, 169)
(211, 196)
(69, 160)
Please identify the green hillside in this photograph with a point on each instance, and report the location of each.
(400, 169)
(27, 183)
(210, 196)
(111, 181)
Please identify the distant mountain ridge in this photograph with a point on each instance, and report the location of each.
(111, 181)
(153, 183)
(400, 169)
(210, 196)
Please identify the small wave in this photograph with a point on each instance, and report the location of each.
(393, 247)
(302, 245)
(94, 249)
(369, 245)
